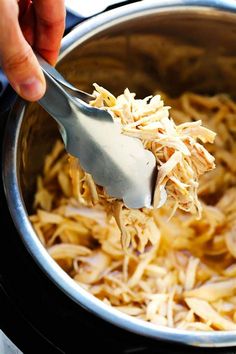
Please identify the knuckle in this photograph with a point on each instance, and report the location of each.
(52, 22)
(18, 59)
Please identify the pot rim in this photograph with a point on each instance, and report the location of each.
(16, 204)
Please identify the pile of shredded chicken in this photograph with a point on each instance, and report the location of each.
(181, 159)
(178, 272)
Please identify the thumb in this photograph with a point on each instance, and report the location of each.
(16, 56)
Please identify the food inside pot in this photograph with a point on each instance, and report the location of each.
(176, 264)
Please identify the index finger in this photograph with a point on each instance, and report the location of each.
(50, 26)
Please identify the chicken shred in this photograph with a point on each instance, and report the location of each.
(181, 160)
(177, 272)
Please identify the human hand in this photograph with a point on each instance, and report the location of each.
(25, 24)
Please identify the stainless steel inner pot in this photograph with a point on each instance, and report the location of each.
(173, 46)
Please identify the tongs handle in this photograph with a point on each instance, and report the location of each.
(56, 101)
(50, 70)
(72, 90)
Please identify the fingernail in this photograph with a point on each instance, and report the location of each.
(31, 89)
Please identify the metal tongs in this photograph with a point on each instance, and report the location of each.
(117, 162)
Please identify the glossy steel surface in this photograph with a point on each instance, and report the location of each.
(173, 46)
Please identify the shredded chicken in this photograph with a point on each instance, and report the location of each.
(181, 159)
(177, 272)
(208, 314)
